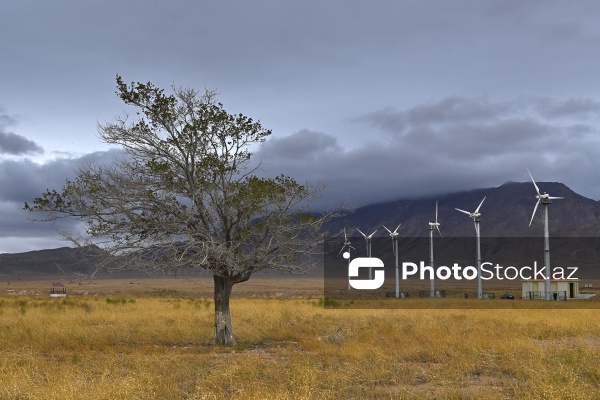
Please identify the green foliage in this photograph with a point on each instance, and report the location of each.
(185, 194)
(200, 303)
(327, 302)
(116, 300)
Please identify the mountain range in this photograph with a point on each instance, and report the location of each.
(42, 263)
(506, 212)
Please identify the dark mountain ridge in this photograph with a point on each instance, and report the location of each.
(38, 263)
(506, 212)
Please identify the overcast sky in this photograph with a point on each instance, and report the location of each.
(380, 100)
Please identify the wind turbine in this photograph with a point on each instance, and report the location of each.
(545, 200)
(476, 215)
(432, 226)
(348, 245)
(368, 239)
(394, 236)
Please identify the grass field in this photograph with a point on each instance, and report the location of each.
(132, 341)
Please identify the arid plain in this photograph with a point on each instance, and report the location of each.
(150, 339)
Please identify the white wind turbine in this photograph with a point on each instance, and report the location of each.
(545, 200)
(348, 245)
(432, 226)
(477, 219)
(368, 239)
(394, 236)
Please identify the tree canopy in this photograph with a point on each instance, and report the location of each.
(185, 194)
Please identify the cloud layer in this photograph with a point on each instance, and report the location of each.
(13, 144)
(23, 180)
(448, 145)
(379, 100)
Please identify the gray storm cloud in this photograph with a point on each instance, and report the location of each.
(13, 144)
(22, 181)
(446, 146)
(443, 146)
(379, 100)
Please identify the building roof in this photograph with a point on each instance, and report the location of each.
(57, 284)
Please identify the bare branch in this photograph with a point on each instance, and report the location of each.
(185, 194)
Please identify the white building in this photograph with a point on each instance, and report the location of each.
(564, 289)
(58, 290)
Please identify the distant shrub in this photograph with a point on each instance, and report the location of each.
(325, 302)
(116, 301)
(86, 307)
(198, 303)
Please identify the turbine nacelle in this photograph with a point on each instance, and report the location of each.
(367, 237)
(436, 224)
(476, 215)
(546, 196)
(347, 243)
(392, 234)
(541, 197)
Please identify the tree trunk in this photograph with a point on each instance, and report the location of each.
(223, 332)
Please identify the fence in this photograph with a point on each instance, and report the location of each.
(427, 293)
(556, 295)
(393, 294)
(485, 296)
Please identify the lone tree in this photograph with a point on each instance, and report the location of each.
(185, 195)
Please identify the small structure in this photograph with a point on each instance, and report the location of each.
(58, 290)
(564, 289)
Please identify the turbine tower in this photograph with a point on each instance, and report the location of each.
(476, 215)
(545, 200)
(432, 226)
(368, 239)
(347, 244)
(394, 236)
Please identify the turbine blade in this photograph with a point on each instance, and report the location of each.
(390, 232)
(361, 232)
(476, 211)
(345, 237)
(463, 211)
(534, 210)
(436, 212)
(536, 188)
(555, 198)
(396, 230)
(438, 228)
(371, 235)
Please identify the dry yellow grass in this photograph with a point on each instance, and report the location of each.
(159, 348)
